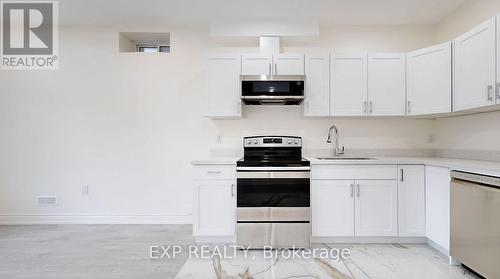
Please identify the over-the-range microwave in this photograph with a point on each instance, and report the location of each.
(272, 90)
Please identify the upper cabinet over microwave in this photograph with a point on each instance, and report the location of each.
(279, 64)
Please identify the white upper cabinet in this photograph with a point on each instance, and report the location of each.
(387, 84)
(256, 64)
(317, 85)
(349, 85)
(288, 64)
(411, 200)
(429, 80)
(474, 65)
(376, 208)
(280, 64)
(223, 86)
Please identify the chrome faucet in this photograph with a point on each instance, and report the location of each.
(336, 151)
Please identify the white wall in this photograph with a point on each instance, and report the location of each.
(479, 132)
(129, 125)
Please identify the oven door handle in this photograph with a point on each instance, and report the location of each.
(274, 175)
(264, 169)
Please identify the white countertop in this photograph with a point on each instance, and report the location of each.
(474, 166)
(481, 167)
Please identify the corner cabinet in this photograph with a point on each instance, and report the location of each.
(317, 85)
(223, 86)
(474, 67)
(214, 203)
(349, 85)
(429, 88)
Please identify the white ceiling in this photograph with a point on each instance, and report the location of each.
(148, 13)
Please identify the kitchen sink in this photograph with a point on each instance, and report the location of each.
(344, 158)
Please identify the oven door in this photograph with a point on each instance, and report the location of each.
(270, 187)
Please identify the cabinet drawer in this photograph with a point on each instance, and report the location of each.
(214, 172)
(388, 172)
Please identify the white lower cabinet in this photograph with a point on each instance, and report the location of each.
(368, 200)
(437, 193)
(332, 203)
(411, 200)
(376, 208)
(214, 202)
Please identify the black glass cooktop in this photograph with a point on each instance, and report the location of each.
(264, 163)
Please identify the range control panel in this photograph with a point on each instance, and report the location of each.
(272, 141)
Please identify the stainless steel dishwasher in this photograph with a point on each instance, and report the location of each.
(475, 222)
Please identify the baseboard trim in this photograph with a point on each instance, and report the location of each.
(438, 247)
(43, 219)
(367, 240)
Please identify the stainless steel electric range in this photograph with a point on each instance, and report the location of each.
(273, 194)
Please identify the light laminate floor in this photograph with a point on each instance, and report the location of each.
(123, 251)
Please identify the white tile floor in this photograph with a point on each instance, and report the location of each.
(122, 251)
(384, 261)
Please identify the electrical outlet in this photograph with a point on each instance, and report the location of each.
(219, 138)
(85, 189)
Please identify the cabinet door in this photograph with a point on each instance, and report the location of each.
(437, 207)
(289, 64)
(349, 85)
(332, 207)
(387, 84)
(429, 80)
(256, 64)
(376, 208)
(223, 86)
(215, 208)
(474, 66)
(411, 200)
(317, 91)
(498, 62)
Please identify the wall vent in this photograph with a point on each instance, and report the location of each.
(47, 200)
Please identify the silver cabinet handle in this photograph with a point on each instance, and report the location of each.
(352, 190)
(307, 106)
(364, 106)
(275, 68)
(402, 175)
(238, 107)
(371, 107)
(213, 171)
(270, 70)
(232, 189)
(490, 92)
(409, 106)
(357, 186)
